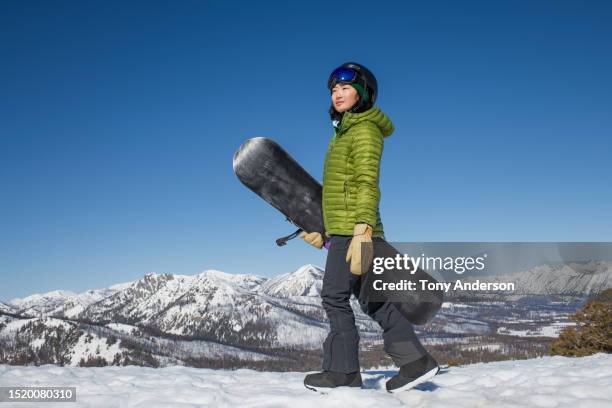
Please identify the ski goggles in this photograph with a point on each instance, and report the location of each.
(342, 74)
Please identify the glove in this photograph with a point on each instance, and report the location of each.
(361, 241)
(313, 238)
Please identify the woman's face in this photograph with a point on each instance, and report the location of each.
(344, 97)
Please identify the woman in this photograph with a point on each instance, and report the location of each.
(352, 221)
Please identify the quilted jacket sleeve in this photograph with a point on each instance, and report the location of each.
(366, 153)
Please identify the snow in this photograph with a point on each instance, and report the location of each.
(38, 297)
(446, 340)
(37, 343)
(122, 328)
(304, 281)
(58, 302)
(552, 330)
(565, 278)
(6, 308)
(51, 322)
(120, 286)
(488, 347)
(93, 346)
(15, 325)
(543, 382)
(453, 305)
(462, 326)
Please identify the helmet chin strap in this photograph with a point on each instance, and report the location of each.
(359, 106)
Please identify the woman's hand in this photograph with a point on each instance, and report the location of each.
(361, 249)
(313, 238)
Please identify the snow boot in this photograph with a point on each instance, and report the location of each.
(413, 373)
(330, 379)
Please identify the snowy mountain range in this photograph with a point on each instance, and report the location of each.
(568, 279)
(571, 279)
(166, 294)
(214, 314)
(223, 313)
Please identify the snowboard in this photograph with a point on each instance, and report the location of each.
(268, 170)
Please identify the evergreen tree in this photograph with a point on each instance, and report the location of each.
(593, 331)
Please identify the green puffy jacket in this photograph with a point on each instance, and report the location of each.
(350, 176)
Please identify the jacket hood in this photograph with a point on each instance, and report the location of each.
(374, 115)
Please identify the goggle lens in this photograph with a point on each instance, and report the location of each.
(342, 74)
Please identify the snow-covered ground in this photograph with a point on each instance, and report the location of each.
(544, 382)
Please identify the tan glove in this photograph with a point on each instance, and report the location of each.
(313, 238)
(361, 241)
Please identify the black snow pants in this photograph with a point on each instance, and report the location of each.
(341, 347)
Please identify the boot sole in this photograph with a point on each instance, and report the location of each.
(325, 390)
(428, 375)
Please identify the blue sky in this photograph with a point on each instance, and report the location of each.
(118, 122)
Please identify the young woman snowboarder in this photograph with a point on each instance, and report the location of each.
(352, 221)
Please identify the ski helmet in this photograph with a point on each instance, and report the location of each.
(361, 79)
